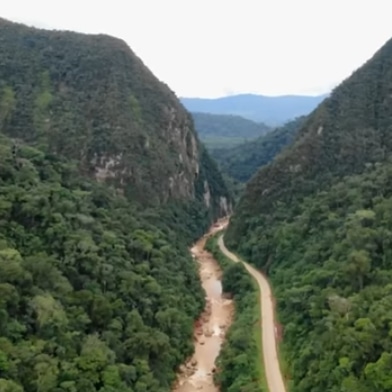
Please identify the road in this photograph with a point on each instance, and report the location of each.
(271, 361)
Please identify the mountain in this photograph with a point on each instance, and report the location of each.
(272, 111)
(222, 131)
(242, 161)
(103, 187)
(89, 98)
(317, 220)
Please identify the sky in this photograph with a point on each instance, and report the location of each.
(212, 48)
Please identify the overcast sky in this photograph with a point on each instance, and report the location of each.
(210, 48)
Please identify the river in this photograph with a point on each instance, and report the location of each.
(210, 329)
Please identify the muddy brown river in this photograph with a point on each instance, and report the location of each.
(197, 373)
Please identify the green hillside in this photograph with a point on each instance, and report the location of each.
(242, 161)
(317, 220)
(89, 98)
(96, 293)
(224, 131)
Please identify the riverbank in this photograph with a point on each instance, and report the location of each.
(269, 330)
(197, 374)
(240, 361)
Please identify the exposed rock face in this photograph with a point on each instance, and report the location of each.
(207, 194)
(225, 206)
(91, 99)
(182, 139)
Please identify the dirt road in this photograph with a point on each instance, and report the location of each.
(268, 331)
(197, 373)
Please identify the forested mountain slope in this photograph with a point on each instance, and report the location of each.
(89, 98)
(223, 131)
(96, 293)
(242, 162)
(317, 220)
(349, 131)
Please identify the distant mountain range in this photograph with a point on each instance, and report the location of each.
(226, 130)
(272, 111)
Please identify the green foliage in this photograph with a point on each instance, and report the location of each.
(93, 295)
(41, 109)
(242, 162)
(349, 131)
(318, 221)
(236, 280)
(9, 386)
(7, 104)
(89, 98)
(98, 292)
(235, 187)
(331, 271)
(211, 176)
(222, 131)
(239, 360)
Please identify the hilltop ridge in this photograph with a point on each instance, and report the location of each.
(317, 220)
(91, 99)
(104, 185)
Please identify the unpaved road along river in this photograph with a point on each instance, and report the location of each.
(197, 373)
(268, 331)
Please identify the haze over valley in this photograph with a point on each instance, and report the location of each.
(272, 111)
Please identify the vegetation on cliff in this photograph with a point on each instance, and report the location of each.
(243, 161)
(317, 220)
(93, 297)
(224, 131)
(91, 99)
(103, 186)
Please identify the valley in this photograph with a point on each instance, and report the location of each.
(211, 327)
(268, 327)
(103, 188)
(150, 243)
(226, 131)
(316, 220)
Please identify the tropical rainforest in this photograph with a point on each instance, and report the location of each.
(103, 186)
(224, 131)
(239, 360)
(317, 220)
(241, 162)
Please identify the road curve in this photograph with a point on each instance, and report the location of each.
(271, 361)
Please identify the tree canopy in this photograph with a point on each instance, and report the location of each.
(242, 162)
(89, 98)
(103, 187)
(224, 131)
(317, 220)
